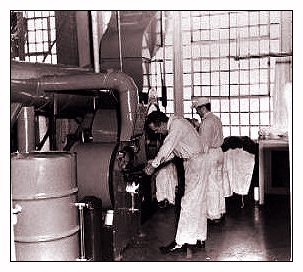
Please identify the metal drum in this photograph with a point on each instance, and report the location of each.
(44, 185)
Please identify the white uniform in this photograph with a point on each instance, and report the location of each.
(211, 133)
(166, 182)
(184, 141)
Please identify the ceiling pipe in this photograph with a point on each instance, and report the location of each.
(81, 84)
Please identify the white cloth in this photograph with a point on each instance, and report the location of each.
(166, 182)
(239, 167)
(283, 75)
(192, 224)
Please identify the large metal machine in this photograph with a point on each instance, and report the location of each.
(108, 153)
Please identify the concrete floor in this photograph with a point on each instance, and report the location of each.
(249, 233)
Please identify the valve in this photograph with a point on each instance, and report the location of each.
(132, 189)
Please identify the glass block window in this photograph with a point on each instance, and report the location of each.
(230, 57)
(40, 37)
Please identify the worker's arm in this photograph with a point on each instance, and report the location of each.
(150, 170)
(165, 152)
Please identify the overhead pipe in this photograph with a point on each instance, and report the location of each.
(114, 80)
(22, 75)
(82, 84)
(26, 70)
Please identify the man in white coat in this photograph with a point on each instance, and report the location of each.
(211, 133)
(183, 140)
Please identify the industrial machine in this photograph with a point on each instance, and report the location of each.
(102, 159)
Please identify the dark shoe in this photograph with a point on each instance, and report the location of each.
(163, 204)
(214, 221)
(172, 248)
(191, 249)
(200, 244)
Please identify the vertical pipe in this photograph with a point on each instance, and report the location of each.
(95, 33)
(53, 122)
(82, 21)
(119, 37)
(177, 61)
(26, 130)
(94, 15)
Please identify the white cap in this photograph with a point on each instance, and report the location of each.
(199, 101)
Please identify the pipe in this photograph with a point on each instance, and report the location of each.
(36, 88)
(27, 70)
(26, 130)
(119, 40)
(94, 16)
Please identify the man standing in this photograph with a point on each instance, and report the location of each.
(183, 141)
(211, 133)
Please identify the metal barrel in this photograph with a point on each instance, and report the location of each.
(44, 185)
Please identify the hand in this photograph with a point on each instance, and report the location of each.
(149, 169)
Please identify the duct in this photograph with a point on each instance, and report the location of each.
(36, 88)
(123, 39)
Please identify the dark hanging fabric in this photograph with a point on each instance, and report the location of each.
(244, 142)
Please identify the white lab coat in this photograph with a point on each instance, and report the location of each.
(215, 188)
(192, 224)
(211, 134)
(184, 141)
